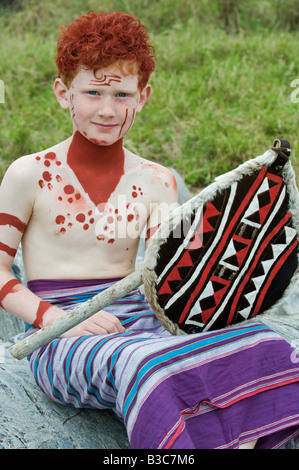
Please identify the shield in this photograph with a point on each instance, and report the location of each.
(231, 252)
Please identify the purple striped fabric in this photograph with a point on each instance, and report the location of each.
(210, 390)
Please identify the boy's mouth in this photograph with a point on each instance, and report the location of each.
(104, 126)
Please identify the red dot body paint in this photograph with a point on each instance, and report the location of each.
(69, 189)
(80, 218)
(47, 176)
(50, 155)
(60, 219)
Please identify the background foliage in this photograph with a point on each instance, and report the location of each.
(221, 91)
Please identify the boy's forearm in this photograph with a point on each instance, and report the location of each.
(18, 300)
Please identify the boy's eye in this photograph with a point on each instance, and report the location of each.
(92, 93)
(122, 95)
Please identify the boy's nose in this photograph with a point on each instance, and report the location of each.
(106, 108)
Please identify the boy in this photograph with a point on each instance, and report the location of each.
(85, 201)
(79, 209)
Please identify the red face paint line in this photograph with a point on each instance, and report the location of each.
(132, 120)
(13, 221)
(125, 120)
(97, 168)
(42, 308)
(73, 114)
(104, 80)
(10, 287)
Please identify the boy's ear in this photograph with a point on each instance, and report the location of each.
(60, 91)
(144, 96)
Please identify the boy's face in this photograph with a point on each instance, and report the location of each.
(102, 105)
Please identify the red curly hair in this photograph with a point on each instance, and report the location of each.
(97, 40)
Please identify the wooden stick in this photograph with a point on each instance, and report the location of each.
(79, 314)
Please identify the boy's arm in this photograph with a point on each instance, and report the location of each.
(17, 196)
(16, 206)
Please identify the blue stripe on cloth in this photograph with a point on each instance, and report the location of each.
(163, 359)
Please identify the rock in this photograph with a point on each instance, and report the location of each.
(31, 420)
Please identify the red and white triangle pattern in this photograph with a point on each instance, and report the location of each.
(196, 242)
(267, 265)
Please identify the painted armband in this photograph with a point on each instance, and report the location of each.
(10, 287)
(12, 221)
(42, 308)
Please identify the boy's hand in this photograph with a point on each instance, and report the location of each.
(101, 323)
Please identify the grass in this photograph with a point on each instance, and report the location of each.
(218, 98)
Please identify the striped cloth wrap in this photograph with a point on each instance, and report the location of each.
(208, 390)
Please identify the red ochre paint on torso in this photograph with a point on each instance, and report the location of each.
(98, 168)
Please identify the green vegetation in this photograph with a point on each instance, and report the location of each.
(221, 89)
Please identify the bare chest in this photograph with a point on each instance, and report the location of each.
(65, 207)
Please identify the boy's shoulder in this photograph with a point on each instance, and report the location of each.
(158, 180)
(25, 165)
(152, 168)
